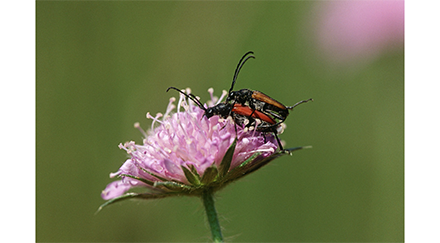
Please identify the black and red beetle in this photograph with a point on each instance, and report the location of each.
(241, 115)
(251, 108)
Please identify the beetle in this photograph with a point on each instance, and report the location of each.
(248, 106)
(256, 100)
(226, 109)
(235, 110)
(241, 115)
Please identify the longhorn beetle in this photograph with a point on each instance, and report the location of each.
(242, 115)
(248, 106)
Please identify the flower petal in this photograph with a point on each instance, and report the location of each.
(115, 189)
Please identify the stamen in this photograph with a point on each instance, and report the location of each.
(213, 98)
(170, 107)
(257, 122)
(280, 128)
(189, 102)
(155, 119)
(129, 147)
(138, 126)
(181, 98)
(245, 122)
(224, 93)
(121, 146)
(183, 102)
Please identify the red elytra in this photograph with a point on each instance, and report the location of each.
(248, 112)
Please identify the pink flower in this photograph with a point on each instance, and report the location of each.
(350, 30)
(187, 153)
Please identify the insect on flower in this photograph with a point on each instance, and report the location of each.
(187, 154)
(249, 107)
(184, 154)
(242, 115)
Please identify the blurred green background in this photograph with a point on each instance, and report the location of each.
(101, 66)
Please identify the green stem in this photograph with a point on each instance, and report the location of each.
(208, 202)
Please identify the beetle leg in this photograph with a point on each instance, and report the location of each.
(278, 140)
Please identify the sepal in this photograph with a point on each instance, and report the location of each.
(191, 175)
(210, 175)
(132, 195)
(226, 161)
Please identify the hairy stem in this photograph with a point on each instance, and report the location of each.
(208, 202)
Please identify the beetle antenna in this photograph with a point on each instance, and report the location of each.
(299, 103)
(240, 64)
(190, 96)
(241, 60)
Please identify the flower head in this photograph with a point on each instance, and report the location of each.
(356, 30)
(184, 153)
